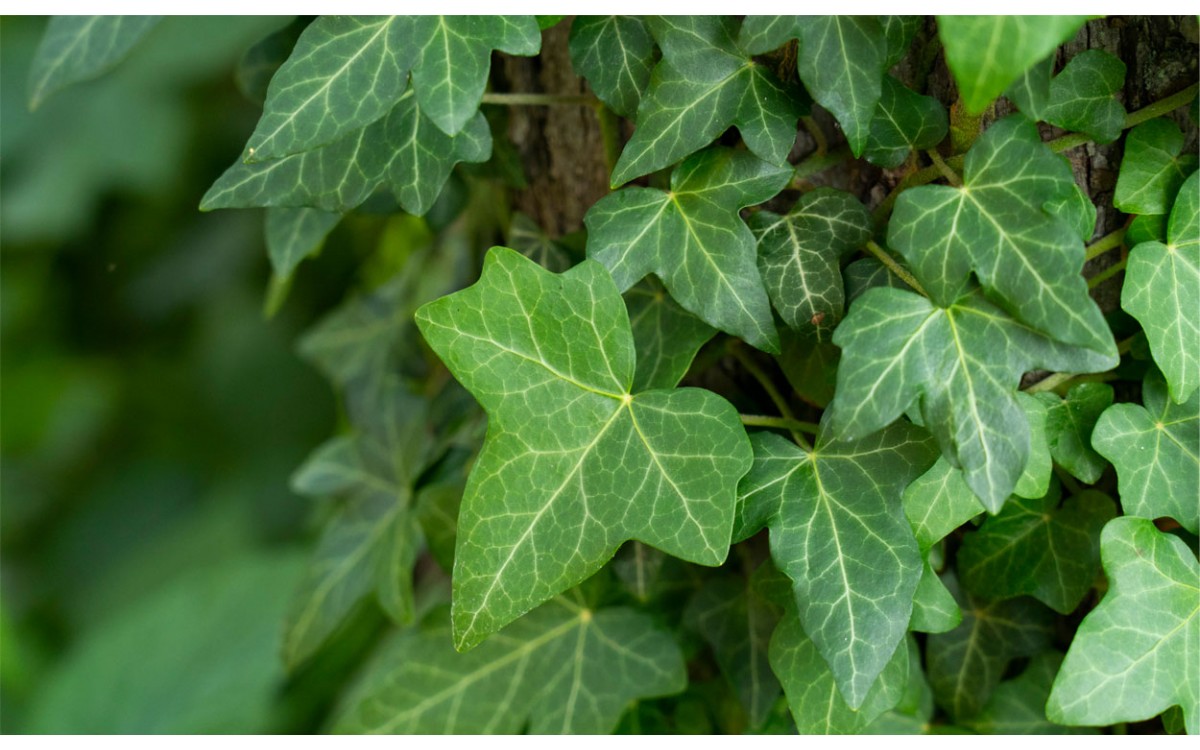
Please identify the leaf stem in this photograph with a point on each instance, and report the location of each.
(816, 163)
(944, 168)
(817, 134)
(1107, 273)
(610, 135)
(1056, 379)
(746, 361)
(782, 423)
(1162, 106)
(895, 267)
(541, 100)
(1104, 244)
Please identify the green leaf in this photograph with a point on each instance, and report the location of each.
(800, 255)
(837, 532)
(527, 238)
(77, 48)
(995, 226)
(665, 336)
(965, 665)
(1038, 548)
(402, 150)
(563, 668)
(899, 31)
(737, 621)
(1153, 168)
(841, 60)
(961, 366)
(1018, 706)
(809, 362)
(912, 714)
(615, 54)
(1134, 654)
(373, 540)
(1081, 96)
(294, 234)
(705, 84)
(344, 73)
(986, 54)
(1077, 210)
(934, 608)
(904, 121)
(1069, 424)
(1162, 290)
(1155, 450)
(1145, 228)
(938, 502)
(693, 239)
(573, 464)
(264, 58)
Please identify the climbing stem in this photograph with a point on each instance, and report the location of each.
(887, 260)
(1107, 273)
(1105, 243)
(746, 361)
(541, 100)
(944, 169)
(815, 131)
(1056, 379)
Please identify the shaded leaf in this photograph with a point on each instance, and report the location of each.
(294, 234)
(77, 48)
(1069, 424)
(615, 54)
(904, 121)
(934, 608)
(1018, 706)
(665, 336)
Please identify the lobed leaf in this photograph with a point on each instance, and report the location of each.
(1153, 168)
(616, 55)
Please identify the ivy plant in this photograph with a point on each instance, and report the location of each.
(750, 447)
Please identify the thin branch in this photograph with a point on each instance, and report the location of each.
(1101, 246)
(541, 100)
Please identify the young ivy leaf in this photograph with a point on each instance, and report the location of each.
(1162, 290)
(837, 532)
(986, 54)
(665, 336)
(960, 365)
(1038, 548)
(1069, 424)
(1018, 706)
(934, 608)
(800, 255)
(692, 238)
(1081, 96)
(76, 48)
(904, 121)
(402, 150)
(563, 668)
(995, 225)
(1155, 450)
(704, 84)
(841, 60)
(615, 54)
(1134, 655)
(574, 463)
(1153, 168)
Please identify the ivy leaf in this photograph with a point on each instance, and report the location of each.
(264, 58)
(965, 665)
(899, 31)
(573, 463)
(527, 238)
(294, 234)
(737, 621)
(1155, 450)
(402, 150)
(938, 502)
(934, 608)
(1081, 96)
(995, 226)
(616, 55)
(693, 239)
(912, 714)
(837, 532)
(841, 60)
(987, 53)
(1038, 548)
(800, 255)
(903, 122)
(665, 336)
(1134, 654)
(1153, 168)
(960, 365)
(563, 668)
(809, 362)
(1018, 706)
(77, 48)
(1162, 290)
(705, 84)
(1069, 424)
(344, 73)
(1076, 210)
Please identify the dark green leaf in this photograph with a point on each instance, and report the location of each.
(1153, 168)
(294, 234)
(1069, 424)
(615, 54)
(1018, 706)
(665, 336)
(76, 48)
(1081, 96)
(904, 121)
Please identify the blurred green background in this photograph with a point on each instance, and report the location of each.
(151, 414)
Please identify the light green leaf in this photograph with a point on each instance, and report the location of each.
(344, 73)
(800, 255)
(402, 150)
(1031, 90)
(615, 54)
(995, 226)
(938, 502)
(77, 48)
(563, 668)
(1153, 168)
(1018, 706)
(1145, 228)
(1162, 290)
(961, 366)
(987, 53)
(693, 239)
(965, 665)
(904, 121)
(452, 57)
(1038, 548)
(837, 532)
(1069, 424)
(1156, 451)
(573, 463)
(934, 608)
(665, 336)
(1135, 655)
(705, 84)
(1081, 96)
(294, 234)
